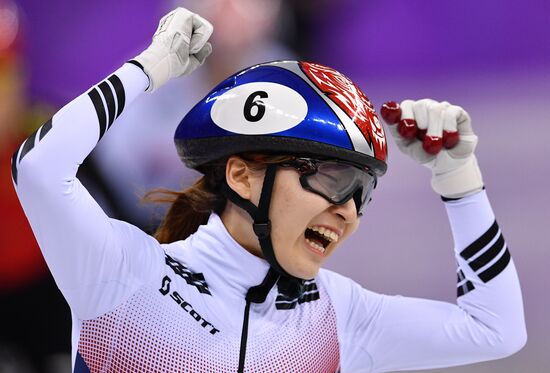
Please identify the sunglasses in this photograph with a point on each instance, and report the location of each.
(335, 181)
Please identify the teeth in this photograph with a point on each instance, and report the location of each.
(327, 233)
(316, 245)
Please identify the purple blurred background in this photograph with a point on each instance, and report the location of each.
(491, 57)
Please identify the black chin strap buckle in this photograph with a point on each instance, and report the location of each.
(291, 287)
(258, 293)
(262, 230)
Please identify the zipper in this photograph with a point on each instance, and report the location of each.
(256, 294)
(244, 337)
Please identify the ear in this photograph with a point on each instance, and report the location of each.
(239, 176)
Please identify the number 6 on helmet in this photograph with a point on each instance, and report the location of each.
(253, 102)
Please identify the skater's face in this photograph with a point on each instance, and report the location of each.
(306, 228)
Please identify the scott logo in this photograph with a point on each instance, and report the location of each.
(352, 101)
(186, 306)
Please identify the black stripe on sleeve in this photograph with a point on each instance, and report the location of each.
(459, 276)
(46, 127)
(14, 166)
(100, 110)
(496, 268)
(29, 144)
(464, 289)
(490, 254)
(480, 243)
(110, 100)
(119, 90)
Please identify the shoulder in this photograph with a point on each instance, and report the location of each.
(183, 256)
(330, 279)
(345, 292)
(341, 289)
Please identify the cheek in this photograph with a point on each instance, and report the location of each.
(353, 227)
(285, 214)
(292, 208)
(291, 203)
(349, 230)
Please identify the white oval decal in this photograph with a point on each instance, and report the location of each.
(259, 108)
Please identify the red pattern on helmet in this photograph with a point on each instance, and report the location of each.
(344, 93)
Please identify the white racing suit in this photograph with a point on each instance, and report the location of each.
(141, 306)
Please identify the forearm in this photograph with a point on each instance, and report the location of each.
(62, 144)
(488, 286)
(97, 261)
(398, 333)
(487, 322)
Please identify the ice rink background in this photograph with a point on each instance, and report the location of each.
(491, 57)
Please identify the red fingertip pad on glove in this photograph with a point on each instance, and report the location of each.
(432, 144)
(391, 112)
(407, 128)
(450, 139)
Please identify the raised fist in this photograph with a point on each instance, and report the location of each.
(439, 136)
(179, 46)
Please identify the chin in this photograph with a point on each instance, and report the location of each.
(304, 272)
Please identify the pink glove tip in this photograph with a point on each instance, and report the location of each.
(407, 128)
(450, 139)
(391, 112)
(432, 144)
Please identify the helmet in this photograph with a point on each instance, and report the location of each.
(284, 107)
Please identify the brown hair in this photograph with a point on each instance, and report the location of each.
(191, 207)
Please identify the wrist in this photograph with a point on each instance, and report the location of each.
(140, 66)
(460, 182)
(448, 199)
(155, 63)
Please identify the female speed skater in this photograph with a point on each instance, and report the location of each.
(291, 153)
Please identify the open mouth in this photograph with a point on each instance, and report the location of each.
(320, 237)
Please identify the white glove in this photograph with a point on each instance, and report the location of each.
(455, 172)
(179, 46)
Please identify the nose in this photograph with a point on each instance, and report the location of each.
(347, 211)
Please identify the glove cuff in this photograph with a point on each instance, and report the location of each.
(155, 62)
(461, 182)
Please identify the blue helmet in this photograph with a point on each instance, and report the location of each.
(284, 107)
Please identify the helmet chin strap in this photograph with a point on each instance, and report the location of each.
(260, 215)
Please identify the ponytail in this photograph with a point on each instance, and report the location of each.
(192, 207)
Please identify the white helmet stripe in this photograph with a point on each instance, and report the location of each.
(360, 144)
